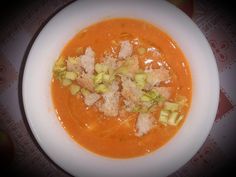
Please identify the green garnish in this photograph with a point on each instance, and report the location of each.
(164, 117)
(101, 88)
(66, 82)
(98, 78)
(70, 75)
(74, 89)
(140, 79)
(99, 68)
(171, 106)
(84, 92)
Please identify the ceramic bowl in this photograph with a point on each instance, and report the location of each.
(46, 127)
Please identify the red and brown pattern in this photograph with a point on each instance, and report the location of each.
(225, 106)
(205, 163)
(220, 30)
(223, 48)
(28, 160)
(8, 73)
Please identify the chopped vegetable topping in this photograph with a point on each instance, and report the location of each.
(74, 89)
(101, 88)
(140, 79)
(66, 82)
(70, 75)
(171, 106)
(105, 84)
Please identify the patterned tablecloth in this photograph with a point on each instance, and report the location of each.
(21, 153)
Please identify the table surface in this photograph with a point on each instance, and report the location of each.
(28, 160)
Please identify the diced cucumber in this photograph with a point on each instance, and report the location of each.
(179, 119)
(72, 60)
(98, 78)
(58, 69)
(145, 98)
(150, 96)
(153, 94)
(164, 117)
(122, 70)
(66, 82)
(100, 68)
(84, 92)
(60, 62)
(106, 78)
(70, 75)
(74, 89)
(140, 79)
(101, 88)
(172, 118)
(171, 106)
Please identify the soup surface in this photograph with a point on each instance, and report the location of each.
(121, 88)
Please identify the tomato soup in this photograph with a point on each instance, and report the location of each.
(130, 129)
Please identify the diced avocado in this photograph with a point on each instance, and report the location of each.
(74, 89)
(140, 79)
(98, 78)
(101, 88)
(100, 68)
(70, 75)
(172, 118)
(66, 82)
(141, 50)
(84, 92)
(164, 117)
(171, 106)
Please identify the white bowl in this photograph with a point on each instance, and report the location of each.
(55, 141)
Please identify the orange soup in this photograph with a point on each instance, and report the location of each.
(121, 88)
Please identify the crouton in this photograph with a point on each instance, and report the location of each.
(91, 98)
(129, 105)
(164, 91)
(87, 60)
(110, 62)
(128, 67)
(126, 49)
(110, 106)
(144, 124)
(86, 81)
(155, 76)
(129, 90)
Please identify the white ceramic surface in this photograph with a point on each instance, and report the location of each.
(53, 138)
